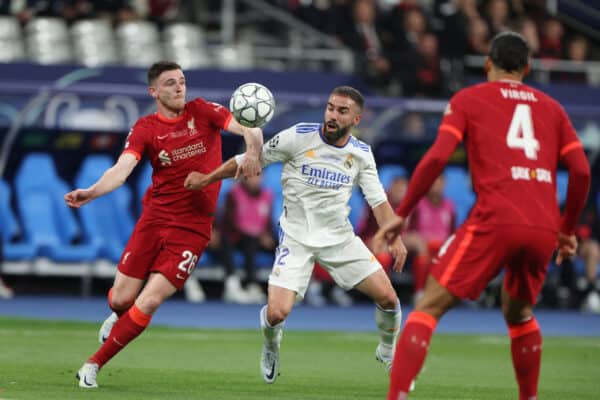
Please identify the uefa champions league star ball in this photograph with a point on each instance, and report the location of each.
(252, 104)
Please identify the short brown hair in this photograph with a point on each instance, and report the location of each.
(350, 92)
(159, 67)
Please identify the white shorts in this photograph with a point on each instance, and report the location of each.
(348, 263)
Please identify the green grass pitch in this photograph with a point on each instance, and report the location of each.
(39, 359)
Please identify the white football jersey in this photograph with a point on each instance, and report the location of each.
(317, 182)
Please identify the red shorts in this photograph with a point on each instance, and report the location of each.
(475, 254)
(158, 246)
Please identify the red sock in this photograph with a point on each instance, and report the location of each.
(127, 328)
(526, 348)
(410, 353)
(117, 311)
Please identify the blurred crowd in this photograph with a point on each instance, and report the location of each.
(415, 48)
(402, 47)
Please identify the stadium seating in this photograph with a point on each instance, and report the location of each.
(388, 172)
(48, 41)
(48, 222)
(11, 43)
(10, 230)
(186, 43)
(94, 43)
(458, 189)
(107, 221)
(138, 40)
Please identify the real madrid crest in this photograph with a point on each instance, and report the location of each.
(349, 162)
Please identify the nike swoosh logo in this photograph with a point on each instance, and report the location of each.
(86, 382)
(162, 137)
(272, 373)
(179, 276)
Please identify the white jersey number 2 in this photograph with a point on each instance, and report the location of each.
(520, 133)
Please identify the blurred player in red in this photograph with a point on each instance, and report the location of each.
(175, 225)
(515, 136)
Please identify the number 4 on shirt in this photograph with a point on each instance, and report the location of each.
(520, 133)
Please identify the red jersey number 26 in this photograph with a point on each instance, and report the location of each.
(520, 133)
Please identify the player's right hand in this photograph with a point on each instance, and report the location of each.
(567, 247)
(387, 234)
(195, 181)
(78, 197)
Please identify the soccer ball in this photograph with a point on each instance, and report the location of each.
(252, 105)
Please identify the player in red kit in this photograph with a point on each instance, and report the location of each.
(175, 225)
(514, 136)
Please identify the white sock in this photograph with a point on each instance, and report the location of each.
(388, 325)
(270, 333)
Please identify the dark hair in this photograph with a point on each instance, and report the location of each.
(158, 68)
(350, 92)
(509, 51)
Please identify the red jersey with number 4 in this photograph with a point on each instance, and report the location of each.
(514, 136)
(176, 147)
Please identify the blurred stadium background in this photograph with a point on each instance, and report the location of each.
(72, 82)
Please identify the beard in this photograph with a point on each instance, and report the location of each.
(334, 136)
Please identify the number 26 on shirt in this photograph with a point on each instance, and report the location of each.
(520, 133)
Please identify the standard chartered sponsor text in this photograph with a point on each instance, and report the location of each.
(188, 151)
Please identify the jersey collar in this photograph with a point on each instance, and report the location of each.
(170, 120)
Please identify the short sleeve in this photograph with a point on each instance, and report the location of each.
(215, 113)
(280, 147)
(454, 120)
(369, 183)
(136, 140)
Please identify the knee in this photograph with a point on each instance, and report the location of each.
(149, 304)
(120, 301)
(514, 315)
(276, 314)
(388, 300)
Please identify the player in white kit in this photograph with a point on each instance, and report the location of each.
(321, 164)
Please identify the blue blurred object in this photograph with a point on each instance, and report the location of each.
(562, 181)
(357, 208)
(144, 180)
(107, 221)
(48, 222)
(389, 172)
(10, 230)
(458, 189)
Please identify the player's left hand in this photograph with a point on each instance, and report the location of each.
(567, 247)
(195, 181)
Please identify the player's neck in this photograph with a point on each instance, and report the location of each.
(168, 113)
(341, 142)
(500, 75)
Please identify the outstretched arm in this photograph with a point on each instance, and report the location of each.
(577, 191)
(196, 180)
(112, 178)
(253, 137)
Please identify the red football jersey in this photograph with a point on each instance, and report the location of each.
(176, 147)
(514, 136)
